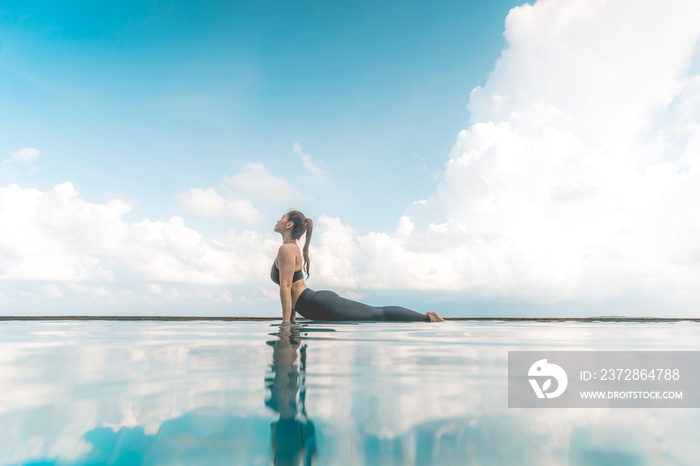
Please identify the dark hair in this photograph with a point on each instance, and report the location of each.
(302, 225)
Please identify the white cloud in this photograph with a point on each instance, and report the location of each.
(254, 180)
(579, 176)
(309, 165)
(55, 236)
(47, 236)
(24, 157)
(209, 203)
(343, 260)
(405, 227)
(565, 184)
(597, 69)
(334, 254)
(52, 291)
(95, 291)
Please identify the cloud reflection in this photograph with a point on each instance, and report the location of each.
(221, 393)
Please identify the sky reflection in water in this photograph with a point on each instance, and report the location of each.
(313, 393)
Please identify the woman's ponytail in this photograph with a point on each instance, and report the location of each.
(307, 261)
(302, 225)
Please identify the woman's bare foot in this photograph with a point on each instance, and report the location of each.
(434, 317)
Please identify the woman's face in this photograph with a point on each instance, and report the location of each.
(281, 224)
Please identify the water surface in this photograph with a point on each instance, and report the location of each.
(114, 392)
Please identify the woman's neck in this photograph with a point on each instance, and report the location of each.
(287, 238)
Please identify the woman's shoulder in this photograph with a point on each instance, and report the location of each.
(288, 249)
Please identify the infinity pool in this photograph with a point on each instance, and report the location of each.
(247, 393)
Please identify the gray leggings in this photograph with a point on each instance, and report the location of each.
(327, 305)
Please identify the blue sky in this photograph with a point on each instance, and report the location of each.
(474, 158)
(144, 99)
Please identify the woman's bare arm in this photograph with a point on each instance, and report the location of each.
(285, 262)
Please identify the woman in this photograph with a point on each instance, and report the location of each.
(321, 305)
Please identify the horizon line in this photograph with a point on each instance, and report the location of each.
(250, 318)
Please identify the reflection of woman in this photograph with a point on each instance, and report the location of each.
(321, 305)
(293, 435)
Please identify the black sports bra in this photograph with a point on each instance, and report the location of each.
(275, 274)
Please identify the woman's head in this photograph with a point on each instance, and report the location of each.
(300, 224)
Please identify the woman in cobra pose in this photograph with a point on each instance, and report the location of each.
(322, 305)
